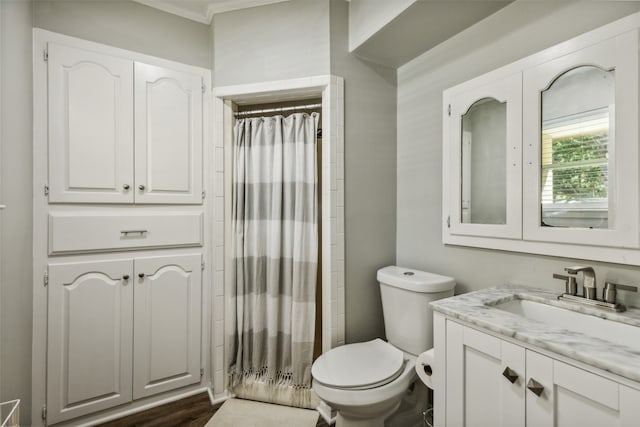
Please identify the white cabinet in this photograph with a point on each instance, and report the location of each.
(167, 321)
(90, 341)
(541, 155)
(168, 135)
(90, 103)
(95, 155)
(477, 394)
(492, 382)
(120, 330)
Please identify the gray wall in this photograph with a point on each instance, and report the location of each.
(128, 25)
(520, 29)
(306, 38)
(275, 42)
(370, 178)
(15, 191)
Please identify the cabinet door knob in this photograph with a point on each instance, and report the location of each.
(141, 275)
(125, 277)
(510, 374)
(535, 387)
(126, 186)
(141, 187)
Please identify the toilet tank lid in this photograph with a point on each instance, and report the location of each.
(415, 280)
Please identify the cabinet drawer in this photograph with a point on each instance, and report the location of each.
(94, 233)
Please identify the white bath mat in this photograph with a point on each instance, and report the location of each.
(248, 413)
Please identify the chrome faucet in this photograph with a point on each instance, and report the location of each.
(589, 293)
(588, 280)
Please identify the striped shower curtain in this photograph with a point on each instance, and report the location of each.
(275, 258)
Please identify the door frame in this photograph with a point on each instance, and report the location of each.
(331, 89)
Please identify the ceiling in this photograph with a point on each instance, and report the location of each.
(203, 10)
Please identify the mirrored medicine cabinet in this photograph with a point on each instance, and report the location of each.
(541, 156)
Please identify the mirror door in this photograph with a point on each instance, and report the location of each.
(483, 154)
(580, 182)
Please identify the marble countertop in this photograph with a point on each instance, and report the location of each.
(476, 308)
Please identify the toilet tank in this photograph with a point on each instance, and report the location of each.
(406, 294)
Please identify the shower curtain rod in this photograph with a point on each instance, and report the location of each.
(278, 109)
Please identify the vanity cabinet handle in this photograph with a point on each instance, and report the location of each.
(126, 186)
(535, 387)
(141, 187)
(510, 374)
(125, 277)
(141, 275)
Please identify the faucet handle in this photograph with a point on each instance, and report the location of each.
(610, 289)
(570, 284)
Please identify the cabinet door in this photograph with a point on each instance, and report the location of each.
(482, 159)
(90, 98)
(580, 131)
(574, 397)
(167, 324)
(168, 136)
(89, 337)
(478, 392)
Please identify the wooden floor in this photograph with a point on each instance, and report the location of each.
(194, 411)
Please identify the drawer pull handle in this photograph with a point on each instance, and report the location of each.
(127, 232)
(141, 187)
(510, 374)
(141, 275)
(535, 387)
(125, 277)
(126, 186)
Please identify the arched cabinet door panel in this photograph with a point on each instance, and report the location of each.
(90, 103)
(482, 159)
(167, 306)
(90, 318)
(168, 135)
(580, 133)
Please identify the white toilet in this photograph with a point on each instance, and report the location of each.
(365, 382)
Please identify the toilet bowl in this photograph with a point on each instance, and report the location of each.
(364, 391)
(365, 382)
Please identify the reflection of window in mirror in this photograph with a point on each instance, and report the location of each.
(577, 147)
(484, 182)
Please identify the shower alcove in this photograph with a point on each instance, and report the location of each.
(229, 99)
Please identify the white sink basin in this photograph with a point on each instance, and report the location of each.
(608, 330)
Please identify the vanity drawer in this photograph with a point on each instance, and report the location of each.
(95, 233)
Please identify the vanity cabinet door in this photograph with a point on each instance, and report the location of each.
(484, 380)
(482, 159)
(167, 324)
(89, 337)
(574, 397)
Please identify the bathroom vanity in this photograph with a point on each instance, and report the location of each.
(515, 356)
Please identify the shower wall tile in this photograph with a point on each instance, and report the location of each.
(218, 283)
(219, 258)
(218, 208)
(218, 383)
(340, 328)
(218, 359)
(219, 183)
(218, 308)
(219, 161)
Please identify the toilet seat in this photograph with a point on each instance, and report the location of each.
(359, 366)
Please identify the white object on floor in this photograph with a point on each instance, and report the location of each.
(249, 413)
(365, 382)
